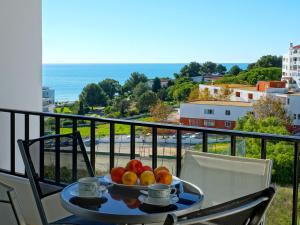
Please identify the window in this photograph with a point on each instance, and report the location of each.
(227, 112)
(208, 111)
(298, 116)
(227, 124)
(295, 116)
(288, 101)
(215, 91)
(237, 94)
(209, 123)
(250, 96)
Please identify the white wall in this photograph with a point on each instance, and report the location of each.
(294, 108)
(196, 111)
(20, 67)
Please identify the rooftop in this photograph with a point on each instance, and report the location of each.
(237, 86)
(297, 46)
(223, 103)
(294, 93)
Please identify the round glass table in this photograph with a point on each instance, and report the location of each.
(122, 206)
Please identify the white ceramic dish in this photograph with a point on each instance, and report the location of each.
(158, 201)
(107, 178)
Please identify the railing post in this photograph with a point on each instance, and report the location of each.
(74, 152)
(295, 183)
(26, 127)
(233, 145)
(112, 146)
(42, 146)
(178, 153)
(132, 141)
(26, 118)
(93, 145)
(57, 150)
(12, 143)
(204, 142)
(263, 150)
(154, 147)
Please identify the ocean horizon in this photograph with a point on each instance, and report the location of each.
(68, 80)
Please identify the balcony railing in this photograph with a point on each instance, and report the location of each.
(179, 129)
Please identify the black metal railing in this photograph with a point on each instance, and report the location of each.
(233, 134)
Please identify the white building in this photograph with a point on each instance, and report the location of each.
(49, 94)
(193, 113)
(20, 70)
(214, 114)
(291, 66)
(48, 99)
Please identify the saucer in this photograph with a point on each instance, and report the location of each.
(158, 201)
(101, 191)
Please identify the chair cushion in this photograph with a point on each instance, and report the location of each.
(79, 221)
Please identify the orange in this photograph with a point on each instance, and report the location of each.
(147, 178)
(160, 168)
(129, 178)
(116, 174)
(164, 177)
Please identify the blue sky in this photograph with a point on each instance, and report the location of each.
(167, 31)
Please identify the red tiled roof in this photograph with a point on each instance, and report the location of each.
(297, 46)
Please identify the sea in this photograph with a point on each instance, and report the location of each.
(68, 80)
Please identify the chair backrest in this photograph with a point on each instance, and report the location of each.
(65, 160)
(224, 178)
(247, 210)
(9, 207)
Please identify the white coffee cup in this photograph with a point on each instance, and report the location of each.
(160, 191)
(88, 186)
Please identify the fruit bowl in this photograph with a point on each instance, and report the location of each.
(138, 186)
(138, 176)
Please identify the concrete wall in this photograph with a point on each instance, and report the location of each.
(196, 111)
(20, 68)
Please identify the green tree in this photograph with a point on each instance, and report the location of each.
(110, 87)
(252, 76)
(193, 69)
(280, 152)
(139, 90)
(181, 89)
(135, 79)
(208, 67)
(269, 61)
(250, 66)
(272, 107)
(156, 84)
(221, 69)
(160, 111)
(81, 110)
(92, 95)
(235, 70)
(162, 94)
(121, 105)
(146, 101)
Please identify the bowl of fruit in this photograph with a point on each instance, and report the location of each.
(138, 176)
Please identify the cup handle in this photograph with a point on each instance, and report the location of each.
(173, 191)
(144, 192)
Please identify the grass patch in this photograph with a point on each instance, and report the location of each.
(103, 129)
(280, 211)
